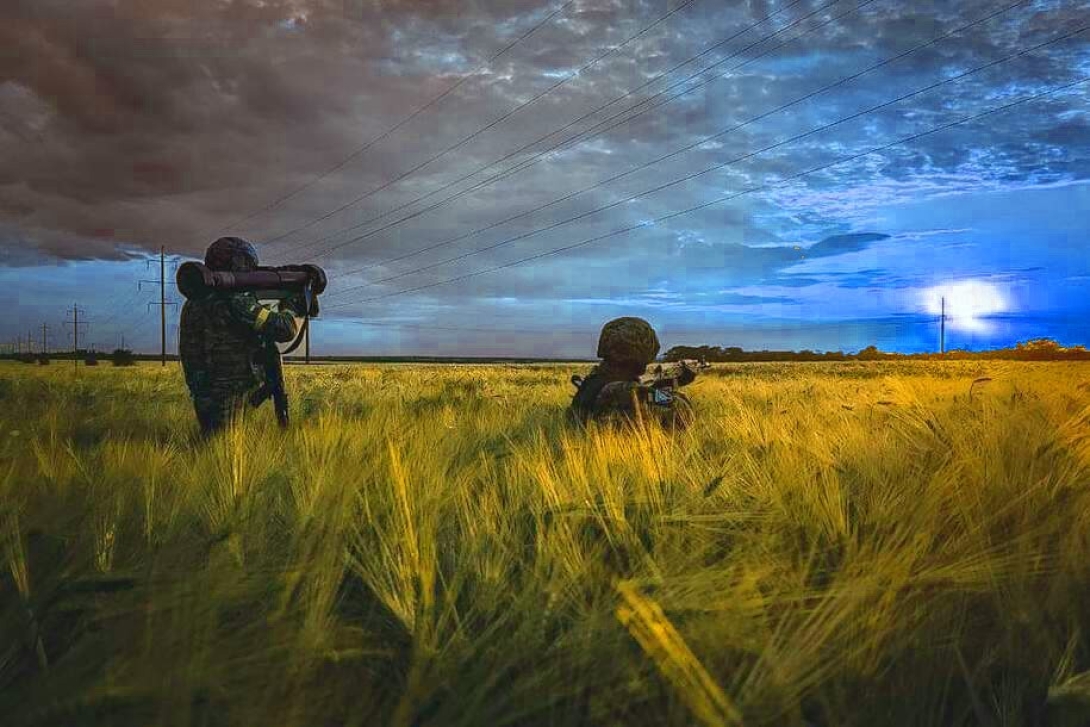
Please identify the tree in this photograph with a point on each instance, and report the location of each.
(870, 353)
(123, 357)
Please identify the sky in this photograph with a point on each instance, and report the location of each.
(503, 177)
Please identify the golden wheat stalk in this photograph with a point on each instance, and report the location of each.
(649, 626)
(17, 564)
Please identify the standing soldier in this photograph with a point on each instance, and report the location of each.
(619, 387)
(222, 338)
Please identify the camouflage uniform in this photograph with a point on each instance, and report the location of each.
(222, 336)
(633, 401)
(613, 392)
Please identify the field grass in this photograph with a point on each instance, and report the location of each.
(831, 544)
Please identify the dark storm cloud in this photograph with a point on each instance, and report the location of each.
(215, 108)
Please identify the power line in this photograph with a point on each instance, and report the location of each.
(750, 190)
(689, 147)
(567, 126)
(722, 165)
(124, 306)
(143, 322)
(125, 303)
(393, 129)
(140, 324)
(487, 127)
(537, 156)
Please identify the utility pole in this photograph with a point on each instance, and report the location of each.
(163, 302)
(45, 339)
(76, 323)
(942, 328)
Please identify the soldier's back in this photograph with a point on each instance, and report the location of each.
(214, 347)
(609, 397)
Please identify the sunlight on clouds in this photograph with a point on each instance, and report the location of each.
(968, 303)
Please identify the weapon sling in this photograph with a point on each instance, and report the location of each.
(274, 370)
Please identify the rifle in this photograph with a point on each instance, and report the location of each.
(274, 383)
(673, 375)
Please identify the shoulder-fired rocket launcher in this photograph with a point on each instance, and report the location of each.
(197, 281)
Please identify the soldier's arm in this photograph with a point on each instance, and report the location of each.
(686, 376)
(621, 397)
(245, 310)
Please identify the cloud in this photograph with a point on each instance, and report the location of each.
(160, 122)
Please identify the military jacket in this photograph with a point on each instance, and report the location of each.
(608, 394)
(221, 336)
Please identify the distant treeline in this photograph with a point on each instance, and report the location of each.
(126, 357)
(1038, 349)
(118, 357)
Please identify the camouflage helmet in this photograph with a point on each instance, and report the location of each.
(231, 254)
(629, 340)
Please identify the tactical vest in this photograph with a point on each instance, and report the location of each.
(216, 351)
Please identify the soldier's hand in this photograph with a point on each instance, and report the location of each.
(295, 304)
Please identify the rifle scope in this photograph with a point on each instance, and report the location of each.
(197, 281)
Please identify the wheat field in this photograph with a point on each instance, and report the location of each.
(830, 544)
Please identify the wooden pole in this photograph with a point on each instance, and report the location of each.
(163, 304)
(75, 335)
(942, 328)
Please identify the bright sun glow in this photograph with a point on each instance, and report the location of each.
(968, 302)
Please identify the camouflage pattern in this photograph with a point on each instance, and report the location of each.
(220, 339)
(613, 392)
(231, 253)
(630, 401)
(628, 340)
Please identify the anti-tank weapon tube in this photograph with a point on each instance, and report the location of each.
(197, 281)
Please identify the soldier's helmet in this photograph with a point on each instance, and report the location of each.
(628, 340)
(231, 254)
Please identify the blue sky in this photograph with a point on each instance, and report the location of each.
(127, 126)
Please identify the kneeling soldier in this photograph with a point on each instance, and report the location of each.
(620, 388)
